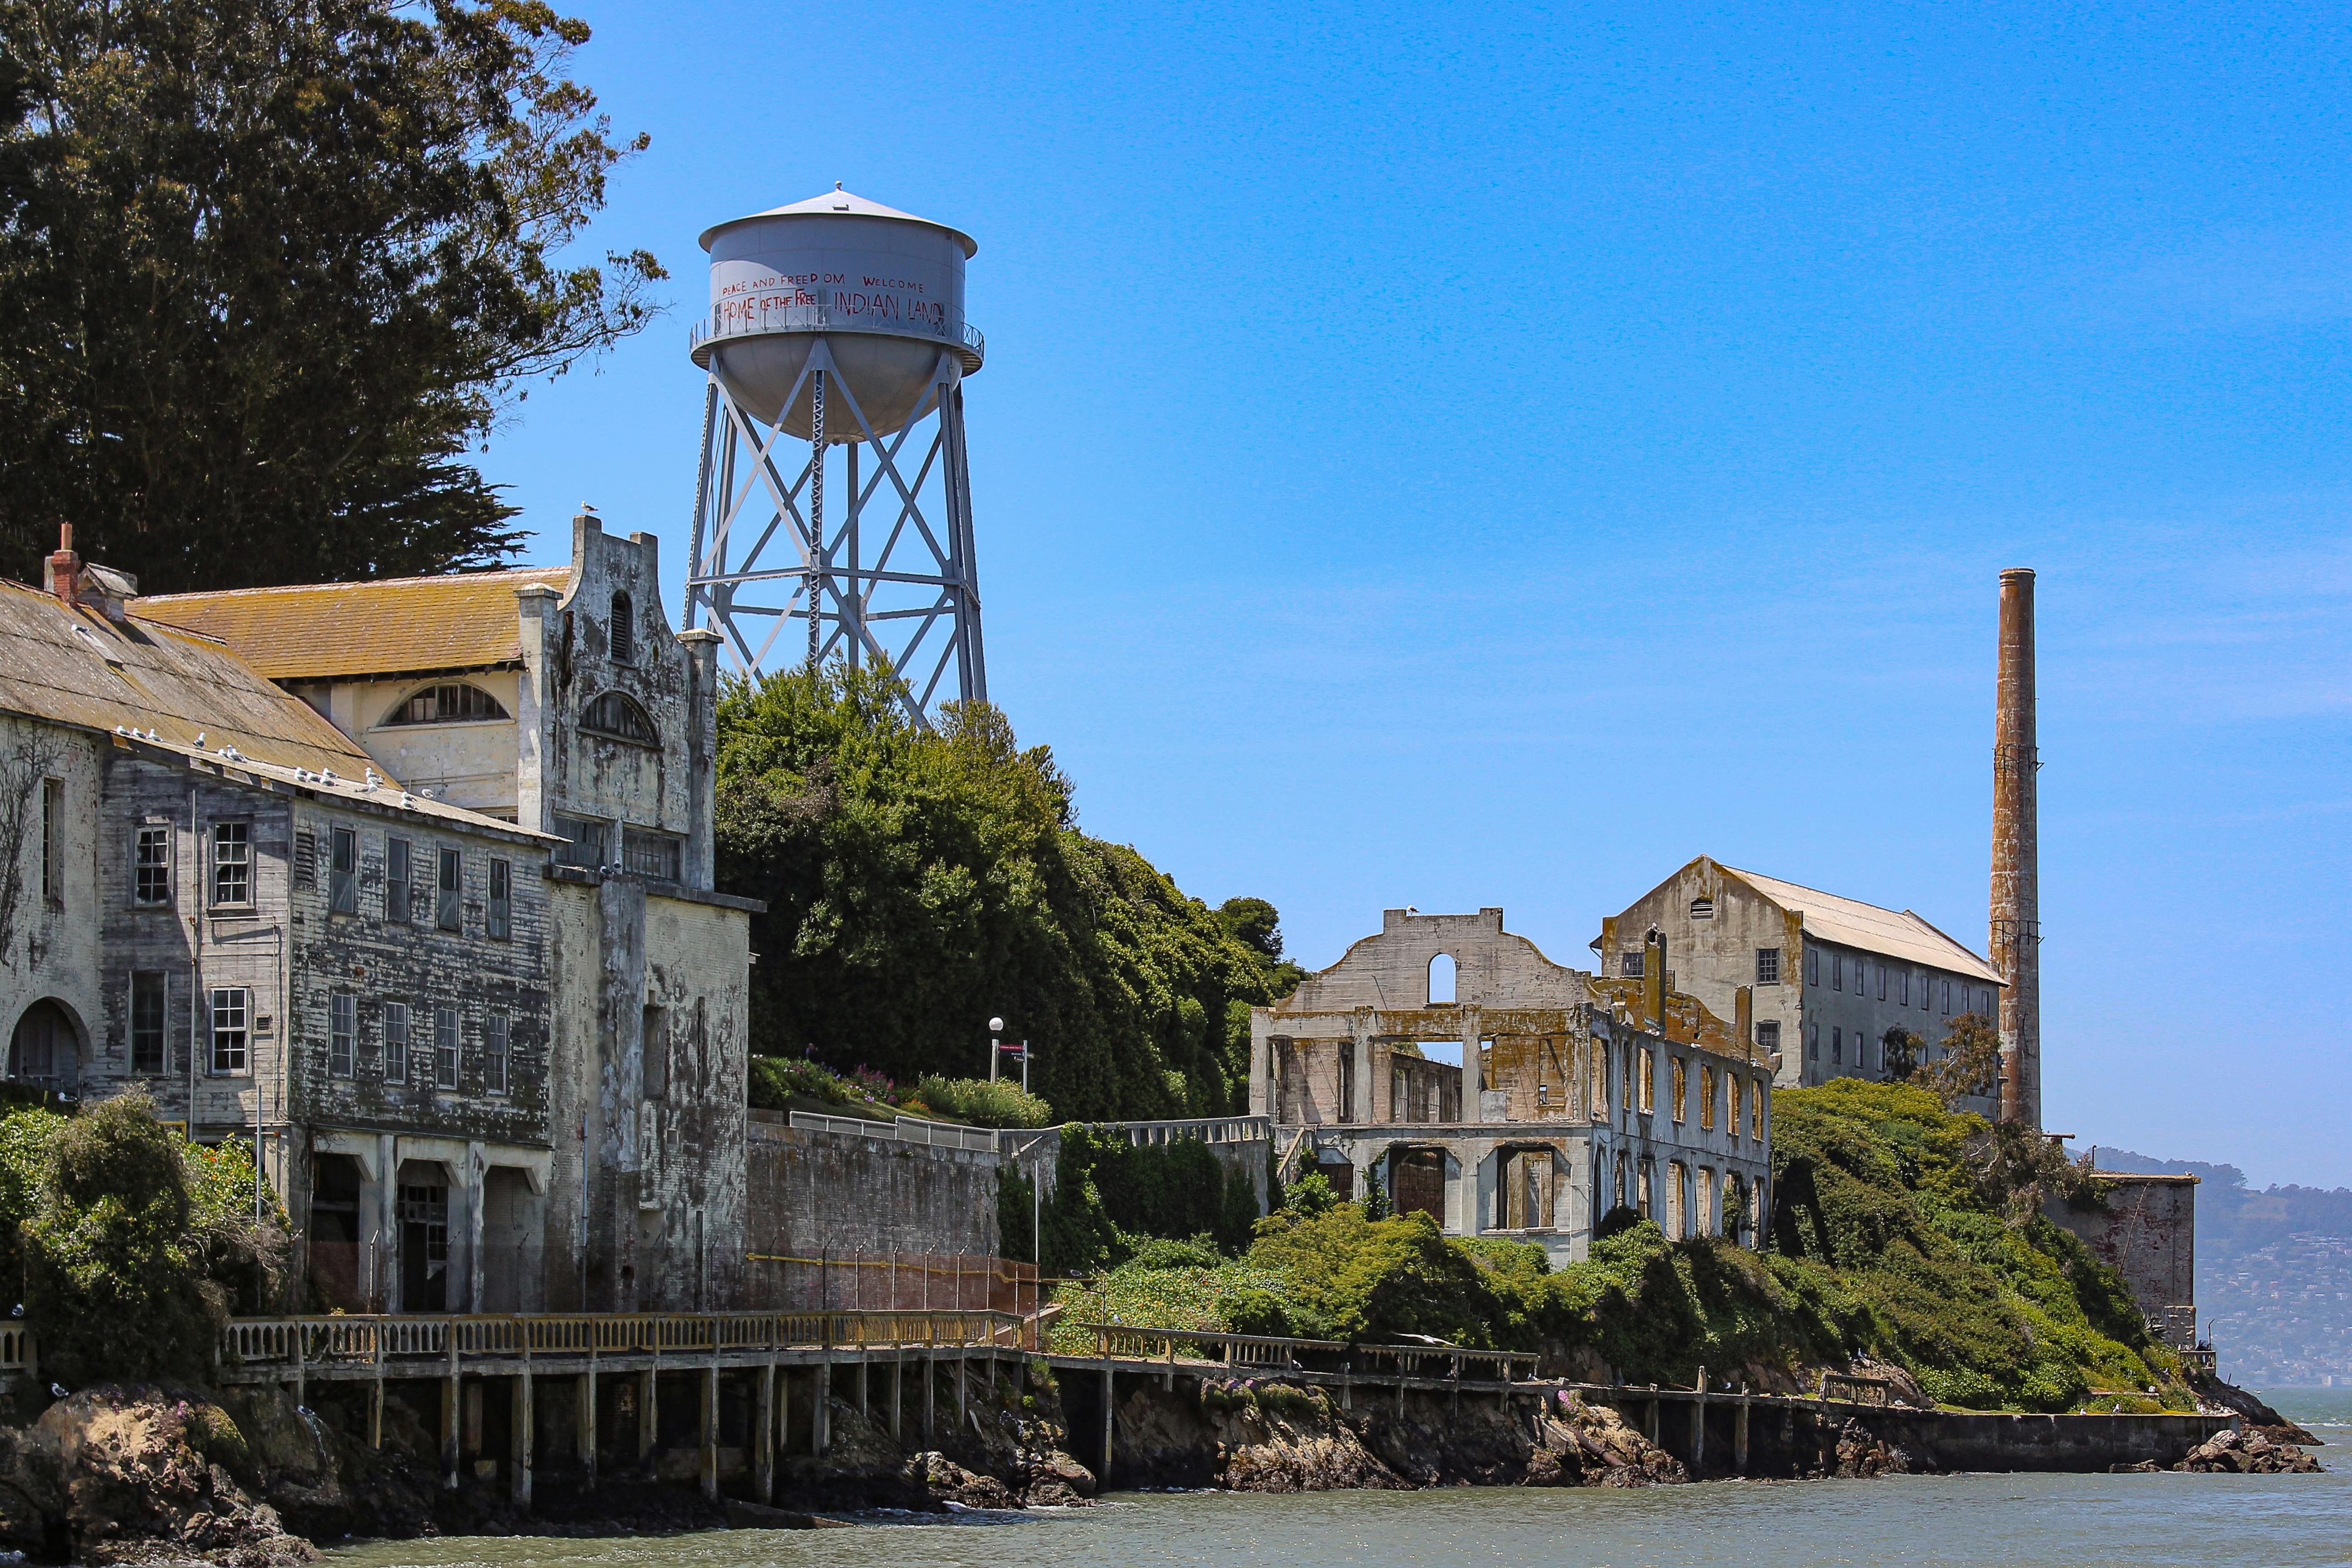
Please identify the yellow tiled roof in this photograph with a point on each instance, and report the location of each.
(400, 625)
(1850, 921)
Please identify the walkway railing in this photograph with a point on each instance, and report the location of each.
(423, 1346)
(905, 1130)
(1261, 1352)
(1207, 1128)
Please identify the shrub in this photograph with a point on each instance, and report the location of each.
(125, 1256)
(984, 1102)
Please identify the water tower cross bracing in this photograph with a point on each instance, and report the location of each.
(833, 506)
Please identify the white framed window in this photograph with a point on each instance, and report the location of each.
(231, 864)
(231, 1008)
(342, 1034)
(444, 1048)
(151, 865)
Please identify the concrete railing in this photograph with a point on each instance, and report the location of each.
(905, 1130)
(1207, 1128)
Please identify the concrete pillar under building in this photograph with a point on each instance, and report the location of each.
(521, 1439)
(584, 1425)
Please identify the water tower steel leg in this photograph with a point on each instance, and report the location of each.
(816, 515)
(701, 504)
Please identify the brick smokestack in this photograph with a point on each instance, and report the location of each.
(2016, 940)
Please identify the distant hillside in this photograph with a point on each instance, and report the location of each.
(2273, 1273)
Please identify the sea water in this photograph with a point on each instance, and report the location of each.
(2063, 1522)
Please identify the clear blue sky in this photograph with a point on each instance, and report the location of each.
(1465, 455)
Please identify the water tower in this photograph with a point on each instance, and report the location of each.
(825, 524)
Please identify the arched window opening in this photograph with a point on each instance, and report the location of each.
(623, 633)
(45, 1050)
(1440, 978)
(617, 714)
(451, 702)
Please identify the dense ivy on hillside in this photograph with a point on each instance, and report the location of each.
(1905, 1233)
(1112, 1195)
(919, 881)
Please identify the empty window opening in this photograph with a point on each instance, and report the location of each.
(53, 840)
(1706, 1099)
(150, 999)
(1837, 972)
(450, 702)
(1768, 1036)
(618, 715)
(583, 842)
(1881, 982)
(343, 872)
(1837, 1045)
(1440, 978)
(1649, 1079)
(623, 632)
(1680, 1083)
(1813, 1042)
(1813, 966)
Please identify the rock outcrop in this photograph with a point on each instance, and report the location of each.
(2249, 1454)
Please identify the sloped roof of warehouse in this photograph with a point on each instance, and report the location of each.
(72, 665)
(398, 625)
(166, 689)
(1897, 933)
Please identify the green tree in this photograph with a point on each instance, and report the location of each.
(135, 1244)
(269, 268)
(1970, 1065)
(919, 881)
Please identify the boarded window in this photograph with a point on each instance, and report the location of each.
(1680, 1082)
(149, 997)
(152, 865)
(1702, 909)
(1881, 982)
(1706, 1099)
(343, 872)
(656, 1053)
(306, 860)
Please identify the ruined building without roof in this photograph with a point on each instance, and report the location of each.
(1576, 1094)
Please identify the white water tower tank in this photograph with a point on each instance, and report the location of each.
(884, 288)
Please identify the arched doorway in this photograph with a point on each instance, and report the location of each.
(45, 1049)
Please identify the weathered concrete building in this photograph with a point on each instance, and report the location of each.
(2148, 1231)
(1830, 977)
(412, 882)
(1575, 1094)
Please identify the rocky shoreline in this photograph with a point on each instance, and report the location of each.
(127, 1475)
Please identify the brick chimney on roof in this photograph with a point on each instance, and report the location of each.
(65, 567)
